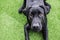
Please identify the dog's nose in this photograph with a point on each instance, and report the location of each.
(35, 26)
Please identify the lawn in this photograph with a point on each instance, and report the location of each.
(12, 23)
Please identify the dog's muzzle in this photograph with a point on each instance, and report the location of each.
(37, 27)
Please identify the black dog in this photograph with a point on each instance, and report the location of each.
(35, 11)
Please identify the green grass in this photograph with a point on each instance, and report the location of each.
(12, 23)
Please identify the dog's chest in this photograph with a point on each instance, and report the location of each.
(34, 3)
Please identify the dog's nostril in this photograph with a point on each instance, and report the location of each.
(35, 27)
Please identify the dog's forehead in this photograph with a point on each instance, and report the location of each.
(37, 10)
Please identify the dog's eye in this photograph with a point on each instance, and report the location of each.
(31, 15)
(40, 15)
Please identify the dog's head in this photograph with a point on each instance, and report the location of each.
(36, 18)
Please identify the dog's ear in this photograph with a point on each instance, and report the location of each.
(26, 11)
(47, 8)
(22, 7)
(20, 10)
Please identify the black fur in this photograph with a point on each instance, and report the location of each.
(35, 11)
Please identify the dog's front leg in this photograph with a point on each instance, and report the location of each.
(45, 33)
(26, 31)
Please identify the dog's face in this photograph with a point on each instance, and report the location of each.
(36, 18)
